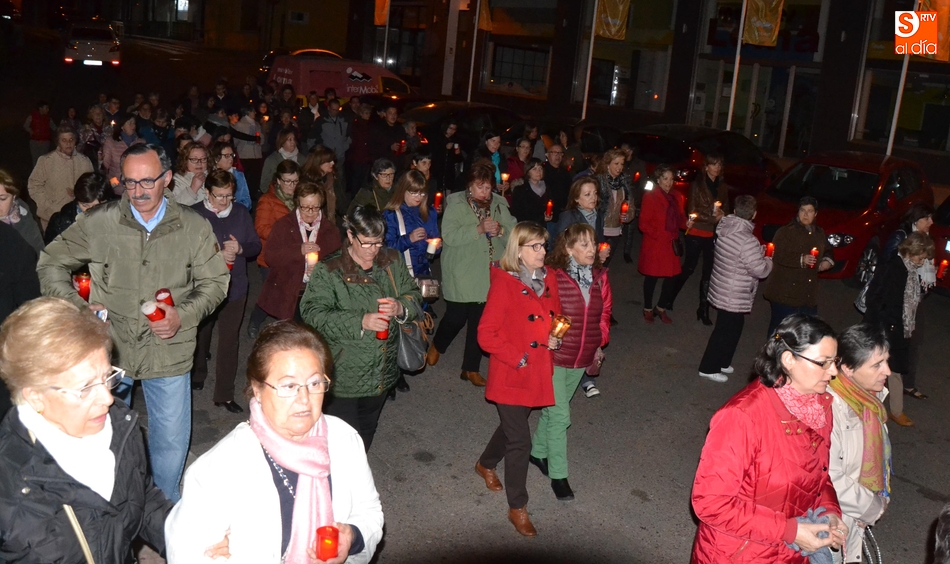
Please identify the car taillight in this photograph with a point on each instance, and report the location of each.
(68, 60)
(115, 63)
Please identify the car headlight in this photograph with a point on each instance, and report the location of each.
(838, 240)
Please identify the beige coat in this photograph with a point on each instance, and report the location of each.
(857, 502)
(52, 180)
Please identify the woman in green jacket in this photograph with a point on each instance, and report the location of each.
(475, 230)
(352, 298)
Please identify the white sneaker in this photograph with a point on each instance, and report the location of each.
(591, 391)
(716, 377)
(727, 370)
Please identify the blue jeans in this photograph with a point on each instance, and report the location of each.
(781, 311)
(168, 401)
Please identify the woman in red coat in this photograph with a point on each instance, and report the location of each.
(661, 218)
(765, 461)
(292, 238)
(515, 330)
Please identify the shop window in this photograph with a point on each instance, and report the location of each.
(924, 120)
(518, 70)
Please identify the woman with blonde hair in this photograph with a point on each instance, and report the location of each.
(515, 330)
(615, 189)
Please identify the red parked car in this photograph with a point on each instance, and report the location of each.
(940, 232)
(861, 198)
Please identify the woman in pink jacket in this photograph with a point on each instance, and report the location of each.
(585, 296)
(762, 492)
(739, 264)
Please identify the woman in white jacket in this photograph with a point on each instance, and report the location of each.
(860, 460)
(269, 484)
(738, 265)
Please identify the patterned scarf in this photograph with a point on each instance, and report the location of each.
(674, 217)
(13, 217)
(581, 273)
(911, 298)
(286, 199)
(876, 460)
(804, 406)
(533, 280)
(482, 209)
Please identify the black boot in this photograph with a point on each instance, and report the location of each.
(702, 314)
(562, 490)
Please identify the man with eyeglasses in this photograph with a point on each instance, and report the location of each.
(134, 247)
(558, 181)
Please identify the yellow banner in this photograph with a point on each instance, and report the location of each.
(611, 19)
(942, 7)
(382, 12)
(762, 21)
(484, 16)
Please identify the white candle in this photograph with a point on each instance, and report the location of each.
(312, 259)
(433, 246)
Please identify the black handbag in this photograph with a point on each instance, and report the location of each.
(413, 340)
(678, 247)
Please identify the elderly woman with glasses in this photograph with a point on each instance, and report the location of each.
(378, 192)
(223, 156)
(192, 170)
(353, 299)
(238, 242)
(74, 480)
(247, 487)
(763, 472)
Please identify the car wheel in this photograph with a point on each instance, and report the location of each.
(866, 265)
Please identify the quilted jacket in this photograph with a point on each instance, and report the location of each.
(760, 469)
(590, 321)
(336, 298)
(738, 266)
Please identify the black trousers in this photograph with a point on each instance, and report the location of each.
(361, 413)
(666, 293)
(228, 317)
(511, 442)
(695, 247)
(722, 342)
(457, 315)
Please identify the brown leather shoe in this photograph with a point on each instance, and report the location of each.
(519, 518)
(474, 377)
(432, 355)
(902, 420)
(491, 479)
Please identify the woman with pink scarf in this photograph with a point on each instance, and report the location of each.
(274, 480)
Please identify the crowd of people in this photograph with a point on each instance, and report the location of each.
(145, 221)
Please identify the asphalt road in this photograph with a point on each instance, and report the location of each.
(633, 450)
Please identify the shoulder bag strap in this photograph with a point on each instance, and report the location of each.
(79, 534)
(405, 254)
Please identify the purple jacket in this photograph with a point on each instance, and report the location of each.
(738, 266)
(239, 224)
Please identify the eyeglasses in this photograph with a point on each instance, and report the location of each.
(201, 160)
(824, 364)
(291, 389)
(146, 183)
(376, 244)
(309, 209)
(416, 193)
(536, 247)
(223, 198)
(110, 382)
(386, 174)
(291, 182)
(226, 156)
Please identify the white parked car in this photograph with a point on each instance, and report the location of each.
(92, 45)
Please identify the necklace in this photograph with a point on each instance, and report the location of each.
(283, 476)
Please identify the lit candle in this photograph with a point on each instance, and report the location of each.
(382, 335)
(152, 311)
(504, 177)
(84, 281)
(312, 259)
(624, 208)
(328, 539)
(692, 217)
(559, 326)
(164, 295)
(549, 210)
(943, 269)
(770, 249)
(438, 201)
(605, 246)
(433, 246)
(718, 206)
(648, 186)
(636, 176)
(814, 252)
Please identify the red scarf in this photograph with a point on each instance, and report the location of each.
(804, 406)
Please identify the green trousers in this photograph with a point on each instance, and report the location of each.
(550, 438)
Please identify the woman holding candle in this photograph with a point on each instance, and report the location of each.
(584, 291)
(296, 243)
(378, 193)
(189, 179)
(738, 266)
(273, 481)
(488, 150)
(530, 198)
(515, 330)
(661, 219)
(892, 301)
(860, 461)
(234, 230)
(707, 204)
(764, 468)
(124, 135)
(352, 299)
(476, 223)
(615, 191)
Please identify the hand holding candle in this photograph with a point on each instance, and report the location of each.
(328, 542)
(549, 210)
(504, 177)
(438, 202)
(814, 253)
(770, 250)
(83, 285)
(152, 311)
(624, 208)
(165, 296)
(604, 251)
(433, 247)
(942, 270)
(312, 259)
(689, 224)
(559, 326)
(382, 335)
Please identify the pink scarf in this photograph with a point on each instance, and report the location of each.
(804, 406)
(310, 458)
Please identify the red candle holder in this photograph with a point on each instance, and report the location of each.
(328, 543)
(382, 335)
(770, 249)
(84, 282)
(230, 265)
(624, 208)
(438, 201)
(549, 210)
(814, 252)
(604, 247)
(165, 296)
(942, 271)
(152, 311)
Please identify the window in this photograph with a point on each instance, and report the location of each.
(298, 17)
(833, 187)
(519, 70)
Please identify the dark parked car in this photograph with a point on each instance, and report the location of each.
(747, 169)
(473, 120)
(861, 198)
